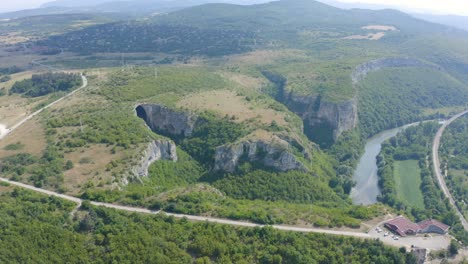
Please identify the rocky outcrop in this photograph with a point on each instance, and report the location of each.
(276, 156)
(164, 120)
(362, 70)
(156, 150)
(323, 120)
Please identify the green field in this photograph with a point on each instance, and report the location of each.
(408, 179)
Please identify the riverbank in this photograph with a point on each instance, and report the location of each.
(367, 189)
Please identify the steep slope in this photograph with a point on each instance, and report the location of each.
(320, 86)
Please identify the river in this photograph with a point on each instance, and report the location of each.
(366, 190)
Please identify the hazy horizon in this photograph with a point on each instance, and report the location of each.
(441, 7)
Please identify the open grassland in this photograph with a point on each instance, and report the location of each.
(408, 181)
(93, 140)
(29, 138)
(228, 103)
(17, 77)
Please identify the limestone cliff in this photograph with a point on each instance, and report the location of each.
(273, 155)
(362, 70)
(156, 150)
(166, 121)
(323, 120)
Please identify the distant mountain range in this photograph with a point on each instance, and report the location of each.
(133, 7)
(147, 7)
(460, 22)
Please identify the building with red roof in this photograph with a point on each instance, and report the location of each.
(402, 226)
(433, 226)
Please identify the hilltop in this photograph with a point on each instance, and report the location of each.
(255, 112)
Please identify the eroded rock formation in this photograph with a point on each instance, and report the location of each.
(323, 121)
(156, 150)
(166, 121)
(273, 155)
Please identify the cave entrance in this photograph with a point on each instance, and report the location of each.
(141, 113)
(321, 133)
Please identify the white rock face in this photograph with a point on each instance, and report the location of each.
(227, 157)
(167, 121)
(156, 150)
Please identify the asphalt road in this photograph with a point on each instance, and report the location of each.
(79, 201)
(436, 162)
(13, 128)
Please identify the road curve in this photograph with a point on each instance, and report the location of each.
(436, 162)
(147, 211)
(20, 123)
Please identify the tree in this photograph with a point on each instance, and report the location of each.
(453, 248)
(68, 165)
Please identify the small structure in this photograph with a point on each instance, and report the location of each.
(402, 226)
(433, 226)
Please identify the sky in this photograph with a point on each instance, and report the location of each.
(459, 7)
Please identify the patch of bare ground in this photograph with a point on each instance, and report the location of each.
(31, 135)
(228, 103)
(12, 109)
(380, 27)
(266, 136)
(89, 166)
(244, 80)
(12, 38)
(370, 36)
(17, 77)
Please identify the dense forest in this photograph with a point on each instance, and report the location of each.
(43, 84)
(99, 235)
(150, 37)
(398, 96)
(454, 151)
(415, 143)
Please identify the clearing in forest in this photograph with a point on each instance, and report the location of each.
(407, 176)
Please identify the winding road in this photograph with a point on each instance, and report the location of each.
(14, 127)
(436, 162)
(441, 243)
(79, 201)
(189, 217)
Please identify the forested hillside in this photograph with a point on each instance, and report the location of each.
(98, 235)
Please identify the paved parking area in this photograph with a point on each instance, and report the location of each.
(431, 242)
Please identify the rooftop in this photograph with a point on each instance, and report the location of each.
(403, 224)
(426, 223)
